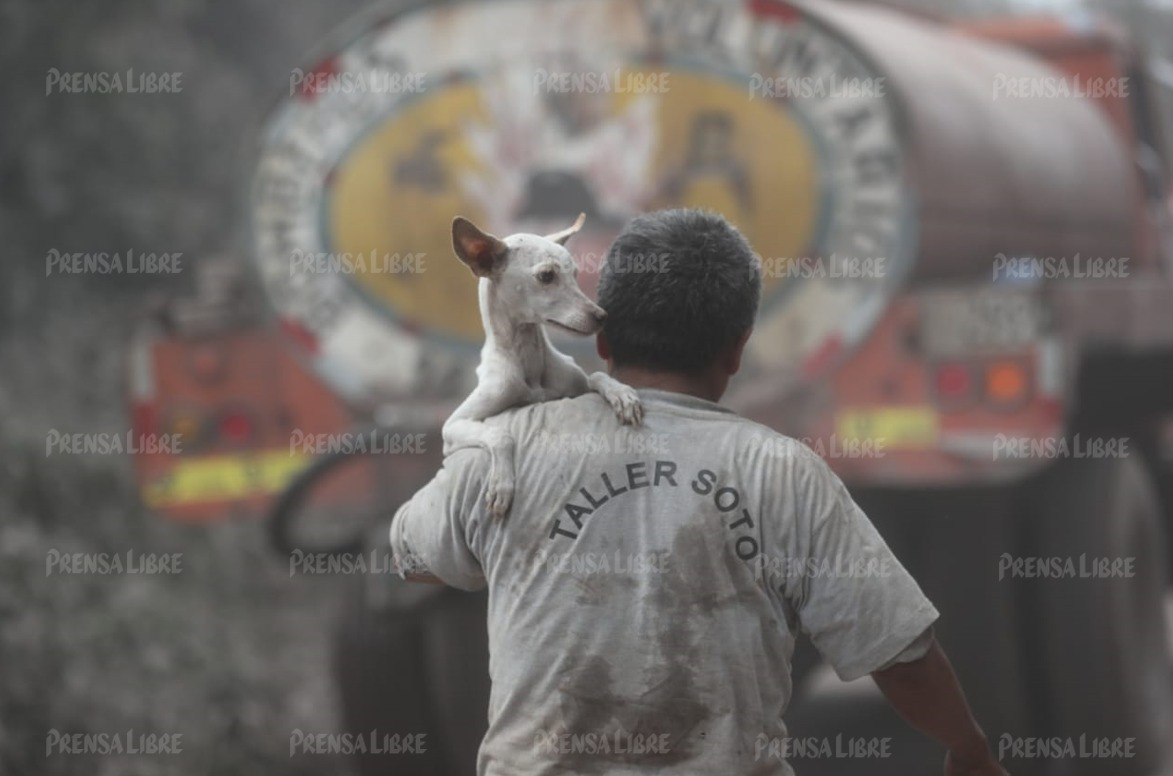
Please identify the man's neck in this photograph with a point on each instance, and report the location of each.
(702, 386)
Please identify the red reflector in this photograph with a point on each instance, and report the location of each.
(300, 334)
(143, 417)
(783, 12)
(954, 381)
(317, 80)
(236, 426)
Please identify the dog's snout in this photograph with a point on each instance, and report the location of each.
(600, 316)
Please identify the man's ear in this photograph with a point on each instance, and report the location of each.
(603, 348)
(481, 252)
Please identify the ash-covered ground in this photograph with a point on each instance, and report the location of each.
(231, 652)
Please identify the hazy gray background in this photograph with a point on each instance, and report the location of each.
(232, 653)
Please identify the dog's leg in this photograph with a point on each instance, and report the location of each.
(464, 432)
(622, 398)
(466, 428)
(564, 378)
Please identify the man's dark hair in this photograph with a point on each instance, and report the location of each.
(680, 287)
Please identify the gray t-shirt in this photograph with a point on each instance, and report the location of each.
(646, 587)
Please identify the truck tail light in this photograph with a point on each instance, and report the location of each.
(236, 426)
(954, 383)
(186, 426)
(1007, 383)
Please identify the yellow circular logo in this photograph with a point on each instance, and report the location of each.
(520, 115)
(459, 150)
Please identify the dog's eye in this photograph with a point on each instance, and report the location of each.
(547, 276)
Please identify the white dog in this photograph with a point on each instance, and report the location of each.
(526, 282)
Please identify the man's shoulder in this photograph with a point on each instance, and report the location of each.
(590, 413)
(554, 415)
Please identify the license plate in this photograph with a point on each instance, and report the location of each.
(964, 323)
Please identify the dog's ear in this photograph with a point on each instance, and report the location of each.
(566, 234)
(480, 252)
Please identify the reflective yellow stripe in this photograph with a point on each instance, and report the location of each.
(224, 478)
(892, 427)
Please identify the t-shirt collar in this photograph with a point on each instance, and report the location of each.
(681, 400)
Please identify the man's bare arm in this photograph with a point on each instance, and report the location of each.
(927, 694)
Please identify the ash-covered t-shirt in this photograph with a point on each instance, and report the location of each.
(647, 586)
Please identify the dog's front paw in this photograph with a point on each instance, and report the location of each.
(499, 495)
(625, 401)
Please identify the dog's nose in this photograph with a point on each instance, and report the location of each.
(600, 316)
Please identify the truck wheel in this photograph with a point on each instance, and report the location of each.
(1159, 454)
(950, 540)
(456, 641)
(1101, 647)
(953, 539)
(394, 664)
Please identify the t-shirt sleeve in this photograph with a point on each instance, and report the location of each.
(438, 530)
(859, 605)
(914, 651)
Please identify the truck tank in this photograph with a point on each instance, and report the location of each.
(858, 148)
(999, 161)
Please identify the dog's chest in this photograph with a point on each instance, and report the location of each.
(541, 379)
(537, 370)
(537, 376)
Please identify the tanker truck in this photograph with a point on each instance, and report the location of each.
(967, 304)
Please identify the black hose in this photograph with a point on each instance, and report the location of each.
(287, 506)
